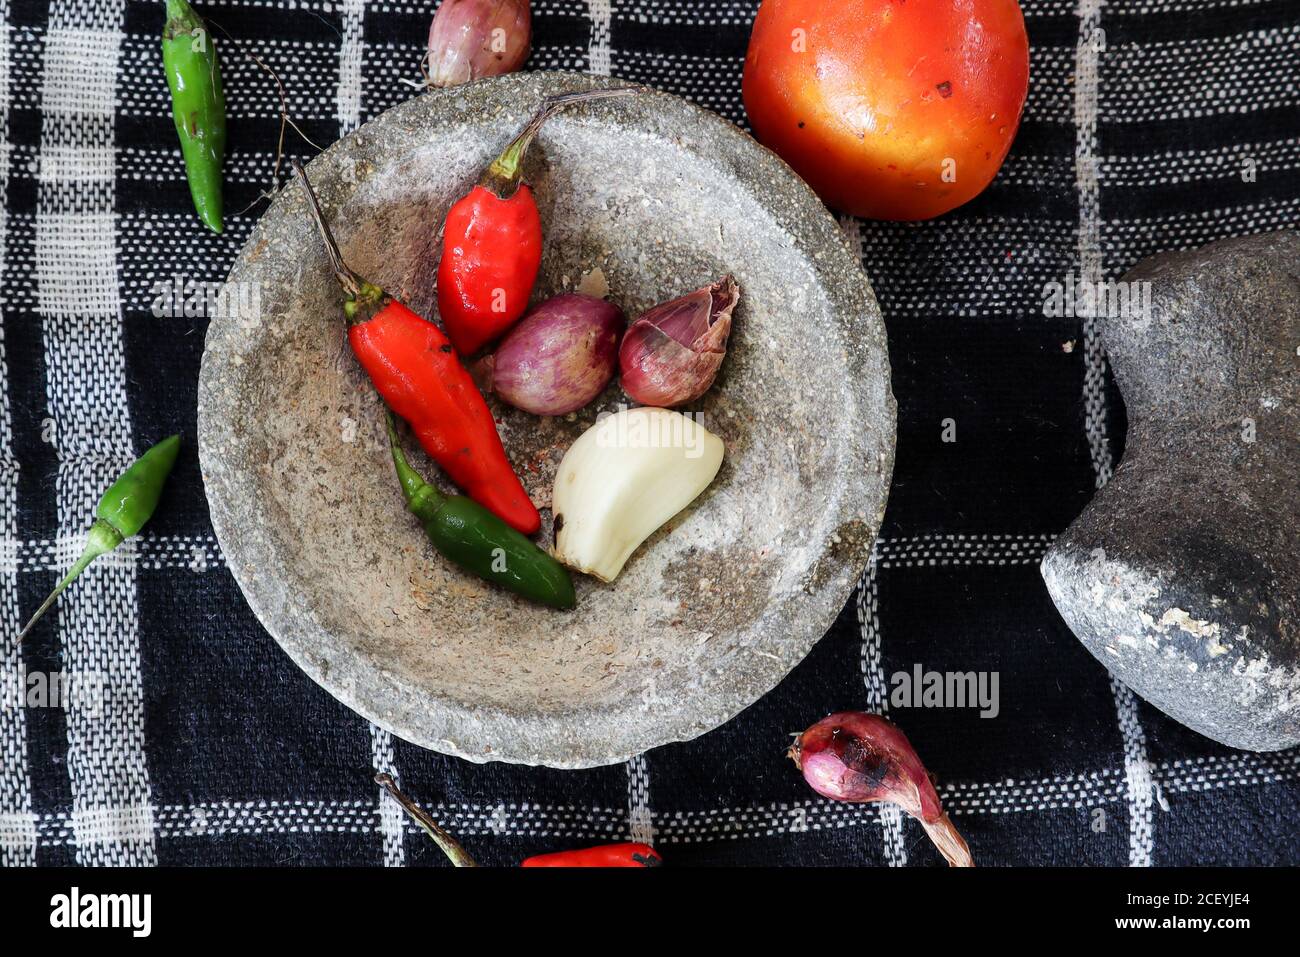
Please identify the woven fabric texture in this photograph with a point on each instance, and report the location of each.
(214, 749)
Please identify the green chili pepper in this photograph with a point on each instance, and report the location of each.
(476, 540)
(121, 513)
(198, 106)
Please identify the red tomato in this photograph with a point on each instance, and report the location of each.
(890, 109)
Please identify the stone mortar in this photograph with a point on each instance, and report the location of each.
(1183, 574)
(654, 197)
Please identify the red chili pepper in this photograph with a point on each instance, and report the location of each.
(492, 249)
(608, 855)
(492, 242)
(419, 375)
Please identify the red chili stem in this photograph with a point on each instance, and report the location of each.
(346, 277)
(448, 844)
(505, 173)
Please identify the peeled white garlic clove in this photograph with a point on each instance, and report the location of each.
(625, 477)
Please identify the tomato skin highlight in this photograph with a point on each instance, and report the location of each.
(889, 109)
(419, 375)
(491, 253)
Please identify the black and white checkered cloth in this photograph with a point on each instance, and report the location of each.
(212, 748)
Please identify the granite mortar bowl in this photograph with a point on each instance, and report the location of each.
(658, 197)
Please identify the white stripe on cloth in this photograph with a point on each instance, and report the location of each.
(873, 676)
(1203, 77)
(217, 818)
(598, 51)
(17, 821)
(970, 286)
(640, 817)
(1087, 86)
(76, 272)
(391, 816)
(156, 164)
(348, 107)
(351, 50)
(200, 553)
(1087, 161)
(873, 672)
(1139, 786)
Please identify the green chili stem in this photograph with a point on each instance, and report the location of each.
(181, 19)
(102, 538)
(421, 497)
(506, 171)
(448, 844)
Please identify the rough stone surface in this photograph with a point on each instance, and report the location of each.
(1183, 574)
(660, 197)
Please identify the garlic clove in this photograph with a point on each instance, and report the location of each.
(671, 354)
(624, 478)
(469, 39)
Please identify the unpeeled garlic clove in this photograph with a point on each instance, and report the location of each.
(671, 353)
(469, 39)
(622, 479)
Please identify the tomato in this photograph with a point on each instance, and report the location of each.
(890, 109)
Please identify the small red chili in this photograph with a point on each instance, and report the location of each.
(419, 375)
(607, 855)
(492, 242)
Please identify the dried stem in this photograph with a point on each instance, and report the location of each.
(449, 845)
(346, 277)
(950, 844)
(286, 121)
(503, 176)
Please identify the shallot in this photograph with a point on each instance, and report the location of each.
(858, 757)
(671, 354)
(469, 39)
(558, 357)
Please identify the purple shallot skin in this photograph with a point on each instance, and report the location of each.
(672, 352)
(469, 39)
(557, 358)
(860, 758)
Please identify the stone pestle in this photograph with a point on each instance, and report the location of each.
(1182, 576)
